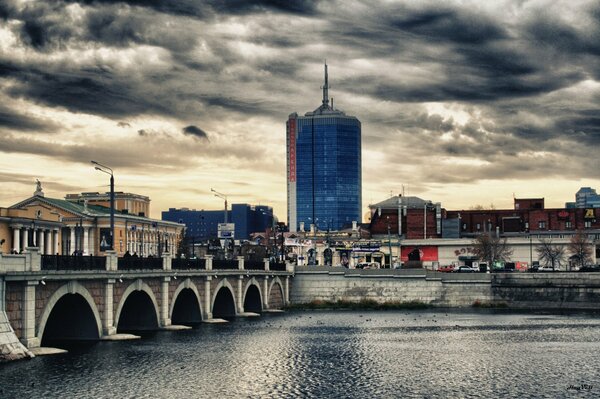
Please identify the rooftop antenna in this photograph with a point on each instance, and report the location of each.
(326, 88)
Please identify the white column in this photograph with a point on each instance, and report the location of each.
(240, 295)
(48, 241)
(108, 327)
(72, 244)
(86, 243)
(28, 337)
(164, 309)
(207, 298)
(266, 293)
(17, 239)
(92, 241)
(41, 241)
(286, 299)
(26, 238)
(55, 242)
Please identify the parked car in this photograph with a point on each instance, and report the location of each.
(538, 268)
(465, 269)
(446, 269)
(368, 265)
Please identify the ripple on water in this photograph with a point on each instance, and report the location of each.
(330, 354)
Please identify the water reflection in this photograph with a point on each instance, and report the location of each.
(337, 354)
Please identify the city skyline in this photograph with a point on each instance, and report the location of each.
(463, 103)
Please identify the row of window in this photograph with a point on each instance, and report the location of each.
(541, 225)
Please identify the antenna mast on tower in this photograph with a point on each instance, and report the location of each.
(326, 88)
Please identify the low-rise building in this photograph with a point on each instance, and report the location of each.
(81, 225)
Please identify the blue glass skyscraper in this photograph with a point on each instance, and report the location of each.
(324, 167)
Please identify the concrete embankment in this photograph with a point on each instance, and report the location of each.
(512, 290)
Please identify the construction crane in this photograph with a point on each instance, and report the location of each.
(223, 197)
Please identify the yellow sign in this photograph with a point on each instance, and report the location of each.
(589, 214)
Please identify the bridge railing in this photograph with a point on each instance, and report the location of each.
(135, 263)
(225, 264)
(188, 264)
(254, 265)
(62, 262)
(278, 266)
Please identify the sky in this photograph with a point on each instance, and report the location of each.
(461, 102)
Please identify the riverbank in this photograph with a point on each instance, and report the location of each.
(329, 287)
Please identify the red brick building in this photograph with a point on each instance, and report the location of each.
(415, 218)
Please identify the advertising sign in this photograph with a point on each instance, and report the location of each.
(226, 230)
(372, 246)
(105, 239)
(427, 253)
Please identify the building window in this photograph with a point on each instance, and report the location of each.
(568, 224)
(542, 224)
(478, 226)
(587, 224)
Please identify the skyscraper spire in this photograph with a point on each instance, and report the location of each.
(326, 88)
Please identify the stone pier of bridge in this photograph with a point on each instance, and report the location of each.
(45, 298)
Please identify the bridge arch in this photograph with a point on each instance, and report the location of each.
(183, 304)
(143, 296)
(253, 296)
(276, 294)
(70, 292)
(223, 302)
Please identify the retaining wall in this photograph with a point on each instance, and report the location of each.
(516, 290)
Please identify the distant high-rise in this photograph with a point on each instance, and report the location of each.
(323, 167)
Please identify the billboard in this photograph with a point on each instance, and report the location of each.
(428, 253)
(226, 230)
(105, 239)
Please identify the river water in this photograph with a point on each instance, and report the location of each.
(333, 354)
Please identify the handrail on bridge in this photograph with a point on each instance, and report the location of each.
(225, 264)
(76, 262)
(188, 264)
(139, 263)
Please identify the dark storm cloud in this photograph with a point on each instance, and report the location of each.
(511, 69)
(96, 90)
(449, 25)
(13, 120)
(195, 132)
(202, 9)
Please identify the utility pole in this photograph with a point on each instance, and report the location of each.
(223, 197)
(109, 171)
(389, 240)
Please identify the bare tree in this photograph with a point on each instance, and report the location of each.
(490, 248)
(581, 248)
(550, 254)
(479, 207)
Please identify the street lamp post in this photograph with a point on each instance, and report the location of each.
(389, 240)
(109, 171)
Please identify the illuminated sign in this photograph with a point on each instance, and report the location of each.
(292, 149)
(589, 214)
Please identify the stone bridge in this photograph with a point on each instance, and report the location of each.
(48, 298)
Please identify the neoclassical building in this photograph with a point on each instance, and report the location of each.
(80, 224)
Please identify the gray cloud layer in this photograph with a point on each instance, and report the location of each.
(526, 74)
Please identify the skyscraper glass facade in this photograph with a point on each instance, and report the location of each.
(324, 168)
